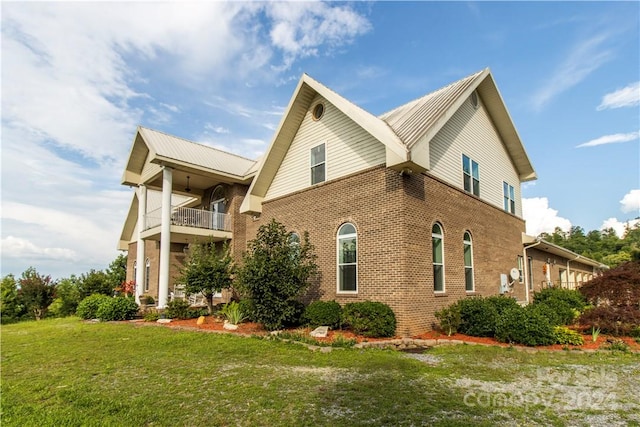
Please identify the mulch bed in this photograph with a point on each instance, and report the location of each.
(248, 328)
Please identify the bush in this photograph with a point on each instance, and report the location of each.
(617, 287)
(526, 326)
(293, 315)
(565, 335)
(370, 319)
(449, 319)
(88, 307)
(323, 313)
(178, 309)
(117, 308)
(565, 304)
(247, 307)
(233, 312)
(611, 319)
(478, 316)
(550, 313)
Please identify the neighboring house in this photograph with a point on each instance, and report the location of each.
(417, 208)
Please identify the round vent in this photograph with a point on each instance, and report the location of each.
(474, 99)
(318, 111)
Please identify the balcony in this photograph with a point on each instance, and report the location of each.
(187, 223)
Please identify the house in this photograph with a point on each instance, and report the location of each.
(417, 207)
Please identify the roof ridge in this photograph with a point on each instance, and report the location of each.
(197, 143)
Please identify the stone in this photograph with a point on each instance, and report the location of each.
(230, 326)
(200, 320)
(163, 321)
(320, 332)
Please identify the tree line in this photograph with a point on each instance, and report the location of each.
(604, 246)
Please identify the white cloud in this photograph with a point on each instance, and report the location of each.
(631, 202)
(585, 58)
(619, 226)
(625, 97)
(611, 139)
(15, 247)
(541, 218)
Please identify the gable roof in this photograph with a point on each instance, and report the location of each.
(399, 129)
(165, 149)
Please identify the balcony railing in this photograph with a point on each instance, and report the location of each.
(189, 217)
(561, 284)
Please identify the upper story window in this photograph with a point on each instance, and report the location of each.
(509, 198)
(468, 262)
(471, 175)
(347, 258)
(437, 239)
(318, 164)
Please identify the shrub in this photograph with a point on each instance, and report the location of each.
(151, 315)
(524, 326)
(247, 307)
(88, 307)
(449, 318)
(370, 319)
(323, 313)
(477, 317)
(117, 308)
(293, 316)
(565, 335)
(147, 300)
(566, 304)
(178, 309)
(617, 287)
(611, 319)
(548, 312)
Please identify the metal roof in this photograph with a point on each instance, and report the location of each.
(182, 150)
(412, 120)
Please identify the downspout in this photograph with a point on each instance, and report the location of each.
(526, 268)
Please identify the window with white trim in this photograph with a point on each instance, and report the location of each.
(135, 270)
(147, 273)
(509, 198)
(347, 258)
(470, 175)
(468, 262)
(437, 243)
(318, 164)
(521, 267)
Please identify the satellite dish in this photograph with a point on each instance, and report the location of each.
(514, 273)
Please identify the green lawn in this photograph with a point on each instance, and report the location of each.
(64, 372)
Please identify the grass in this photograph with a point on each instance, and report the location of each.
(64, 372)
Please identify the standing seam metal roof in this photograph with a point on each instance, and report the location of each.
(197, 154)
(412, 120)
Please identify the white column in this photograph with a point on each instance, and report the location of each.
(165, 237)
(140, 260)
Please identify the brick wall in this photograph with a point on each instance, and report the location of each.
(393, 216)
(577, 272)
(152, 252)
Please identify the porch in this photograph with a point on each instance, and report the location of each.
(188, 223)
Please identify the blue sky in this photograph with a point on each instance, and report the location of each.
(77, 78)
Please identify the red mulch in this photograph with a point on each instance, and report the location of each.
(249, 328)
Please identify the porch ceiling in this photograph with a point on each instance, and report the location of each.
(182, 234)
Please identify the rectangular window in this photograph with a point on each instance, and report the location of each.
(530, 268)
(318, 164)
(521, 267)
(471, 175)
(509, 198)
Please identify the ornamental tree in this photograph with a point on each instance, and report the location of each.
(36, 292)
(207, 270)
(275, 273)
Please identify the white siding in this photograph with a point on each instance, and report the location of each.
(349, 149)
(471, 132)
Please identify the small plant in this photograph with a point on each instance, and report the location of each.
(233, 312)
(595, 333)
(178, 309)
(147, 300)
(323, 313)
(565, 335)
(339, 340)
(151, 316)
(370, 319)
(449, 318)
(616, 344)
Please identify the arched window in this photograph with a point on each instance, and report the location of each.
(438, 257)
(218, 207)
(347, 258)
(294, 242)
(147, 273)
(468, 262)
